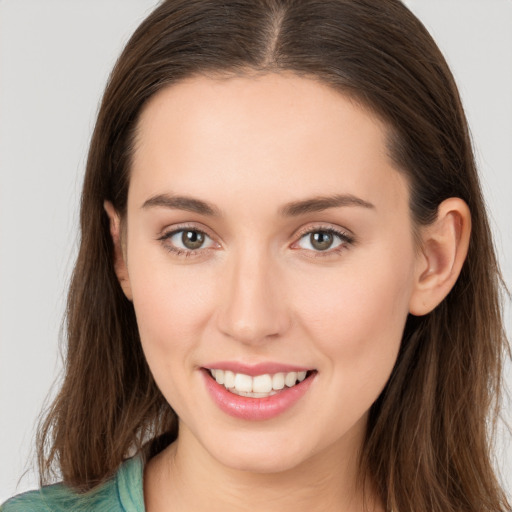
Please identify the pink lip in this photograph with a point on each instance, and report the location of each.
(255, 369)
(255, 409)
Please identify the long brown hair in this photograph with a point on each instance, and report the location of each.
(428, 443)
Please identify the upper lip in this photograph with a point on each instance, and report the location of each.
(252, 370)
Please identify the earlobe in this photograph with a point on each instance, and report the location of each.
(120, 267)
(444, 246)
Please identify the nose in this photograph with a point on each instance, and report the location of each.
(253, 308)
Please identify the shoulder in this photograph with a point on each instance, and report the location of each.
(41, 500)
(28, 502)
(59, 498)
(122, 493)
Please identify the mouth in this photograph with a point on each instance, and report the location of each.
(258, 392)
(258, 386)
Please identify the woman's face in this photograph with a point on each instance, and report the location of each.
(267, 233)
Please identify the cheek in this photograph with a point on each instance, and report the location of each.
(171, 307)
(356, 324)
(357, 313)
(171, 304)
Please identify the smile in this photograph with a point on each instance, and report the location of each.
(258, 386)
(260, 396)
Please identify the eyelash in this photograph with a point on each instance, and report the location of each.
(183, 253)
(346, 240)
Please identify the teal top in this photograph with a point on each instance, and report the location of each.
(122, 493)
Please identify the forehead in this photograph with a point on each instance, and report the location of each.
(256, 132)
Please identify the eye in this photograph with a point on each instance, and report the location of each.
(186, 241)
(326, 240)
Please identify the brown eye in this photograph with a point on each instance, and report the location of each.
(187, 241)
(192, 239)
(324, 240)
(321, 240)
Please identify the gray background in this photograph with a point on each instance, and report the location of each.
(55, 56)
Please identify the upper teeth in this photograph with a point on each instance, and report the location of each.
(265, 384)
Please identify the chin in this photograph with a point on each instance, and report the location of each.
(261, 455)
(260, 462)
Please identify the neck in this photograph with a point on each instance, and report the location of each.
(185, 477)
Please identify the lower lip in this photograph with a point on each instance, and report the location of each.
(256, 409)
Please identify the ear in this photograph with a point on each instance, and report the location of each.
(120, 267)
(444, 246)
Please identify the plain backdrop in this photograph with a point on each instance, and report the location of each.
(55, 57)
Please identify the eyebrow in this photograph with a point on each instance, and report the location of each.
(321, 203)
(293, 209)
(186, 203)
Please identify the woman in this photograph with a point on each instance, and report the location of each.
(286, 294)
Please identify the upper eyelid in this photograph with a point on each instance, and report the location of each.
(324, 227)
(171, 230)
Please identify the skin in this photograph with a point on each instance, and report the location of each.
(259, 291)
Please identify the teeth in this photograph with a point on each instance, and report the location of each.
(259, 386)
(290, 379)
(219, 376)
(262, 383)
(243, 383)
(229, 378)
(278, 381)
